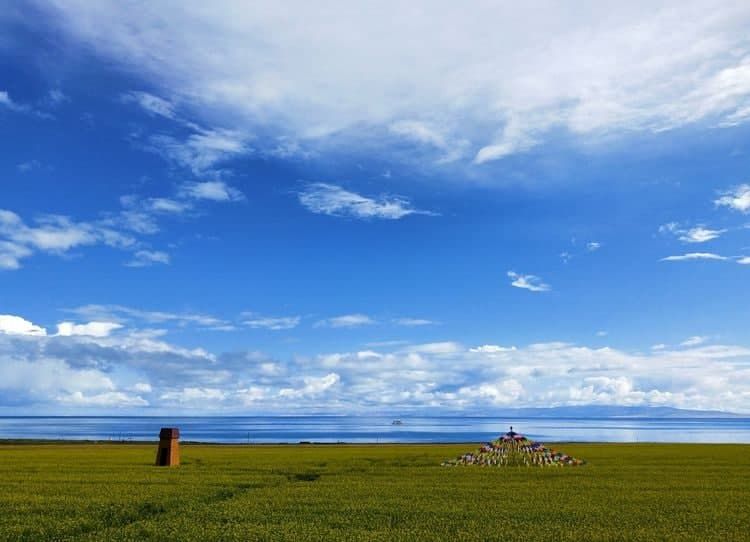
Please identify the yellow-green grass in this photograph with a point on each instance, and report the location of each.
(398, 492)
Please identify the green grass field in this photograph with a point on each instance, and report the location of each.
(625, 492)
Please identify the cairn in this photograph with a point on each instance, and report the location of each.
(515, 450)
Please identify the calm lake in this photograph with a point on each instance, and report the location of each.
(270, 429)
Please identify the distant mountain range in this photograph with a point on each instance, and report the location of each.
(611, 411)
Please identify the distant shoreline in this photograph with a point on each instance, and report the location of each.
(33, 442)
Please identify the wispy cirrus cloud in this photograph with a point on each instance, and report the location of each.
(695, 340)
(332, 200)
(52, 234)
(200, 152)
(346, 320)
(8, 103)
(211, 190)
(151, 103)
(122, 314)
(696, 234)
(694, 256)
(413, 322)
(528, 282)
(147, 258)
(516, 75)
(274, 323)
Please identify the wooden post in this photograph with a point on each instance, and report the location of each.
(168, 454)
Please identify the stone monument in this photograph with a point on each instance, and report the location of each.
(168, 454)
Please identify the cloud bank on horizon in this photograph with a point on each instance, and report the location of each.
(365, 206)
(108, 366)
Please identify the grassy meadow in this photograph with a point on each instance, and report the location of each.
(387, 492)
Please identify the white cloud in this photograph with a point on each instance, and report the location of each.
(438, 348)
(109, 399)
(154, 105)
(5, 99)
(120, 313)
(205, 396)
(513, 139)
(738, 198)
(211, 190)
(504, 392)
(492, 349)
(528, 282)
(425, 133)
(346, 320)
(166, 205)
(11, 254)
(15, 325)
(201, 151)
(697, 234)
(412, 322)
(328, 199)
(593, 246)
(312, 386)
(694, 256)
(146, 258)
(744, 260)
(96, 373)
(602, 333)
(503, 78)
(31, 165)
(91, 329)
(56, 97)
(257, 321)
(694, 341)
(53, 234)
(142, 387)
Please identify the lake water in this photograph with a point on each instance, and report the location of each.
(270, 429)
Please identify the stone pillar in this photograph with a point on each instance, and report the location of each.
(168, 454)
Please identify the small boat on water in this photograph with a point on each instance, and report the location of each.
(397, 422)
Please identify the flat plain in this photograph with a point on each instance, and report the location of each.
(103, 491)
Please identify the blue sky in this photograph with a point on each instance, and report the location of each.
(336, 209)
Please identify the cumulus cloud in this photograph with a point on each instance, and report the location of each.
(508, 76)
(737, 198)
(528, 282)
(91, 329)
(312, 386)
(346, 320)
(15, 325)
(138, 369)
(744, 260)
(694, 256)
(329, 199)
